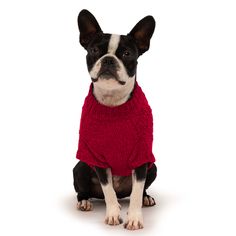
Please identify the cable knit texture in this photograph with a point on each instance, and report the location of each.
(117, 137)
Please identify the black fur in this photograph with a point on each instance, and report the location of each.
(131, 46)
(151, 176)
(87, 181)
(127, 52)
(142, 33)
(141, 172)
(82, 180)
(102, 175)
(88, 26)
(97, 48)
(86, 188)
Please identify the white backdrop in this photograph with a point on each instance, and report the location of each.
(189, 78)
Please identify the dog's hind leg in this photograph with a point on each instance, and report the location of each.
(151, 176)
(82, 183)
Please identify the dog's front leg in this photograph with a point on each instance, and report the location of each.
(112, 205)
(135, 217)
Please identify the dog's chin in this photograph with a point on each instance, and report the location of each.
(108, 77)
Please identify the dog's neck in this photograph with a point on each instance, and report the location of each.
(113, 97)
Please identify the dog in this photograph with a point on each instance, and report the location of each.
(116, 126)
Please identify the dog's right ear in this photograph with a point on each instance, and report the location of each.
(88, 27)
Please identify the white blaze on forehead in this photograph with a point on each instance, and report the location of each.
(113, 43)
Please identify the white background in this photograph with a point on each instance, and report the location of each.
(189, 78)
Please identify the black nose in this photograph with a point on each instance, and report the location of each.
(108, 61)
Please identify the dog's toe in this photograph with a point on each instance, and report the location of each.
(113, 220)
(85, 205)
(134, 221)
(113, 215)
(148, 201)
(133, 225)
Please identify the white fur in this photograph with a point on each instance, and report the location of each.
(112, 47)
(113, 43)
(96, 68)
(109, 91)
(112, 205)
(135, 217)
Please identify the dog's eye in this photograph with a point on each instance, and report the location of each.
(94, 50)
(126, 53)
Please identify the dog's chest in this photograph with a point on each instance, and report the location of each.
(116, 181)
(120, 183)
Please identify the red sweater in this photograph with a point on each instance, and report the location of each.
(118, 137)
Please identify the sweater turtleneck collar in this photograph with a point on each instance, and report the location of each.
(136, 102)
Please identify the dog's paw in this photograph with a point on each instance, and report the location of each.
(113, 215)
(85, 205)
(148, 201)
(134, 221)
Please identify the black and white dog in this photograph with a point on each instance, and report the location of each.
(113, 87)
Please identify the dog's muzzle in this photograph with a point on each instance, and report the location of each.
(109, 67)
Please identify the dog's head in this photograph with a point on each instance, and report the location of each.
(111, 58)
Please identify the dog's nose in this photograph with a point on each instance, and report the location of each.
(108, 61)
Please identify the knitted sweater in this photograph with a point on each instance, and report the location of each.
(117, 137)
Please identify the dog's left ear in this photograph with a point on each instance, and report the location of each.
(142, 33)
(88, 27)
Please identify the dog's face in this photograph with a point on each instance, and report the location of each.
(111, 58)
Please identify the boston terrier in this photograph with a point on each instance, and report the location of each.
(116, 126)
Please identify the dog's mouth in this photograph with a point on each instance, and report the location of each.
(108, 74)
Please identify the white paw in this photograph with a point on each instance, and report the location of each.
(148, 201)
(85, 205)
(134, 221)
(113, 215)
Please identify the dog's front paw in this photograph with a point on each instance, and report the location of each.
(113, 215)
(134, 221)
(85, 205)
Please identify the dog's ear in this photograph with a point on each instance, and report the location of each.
(142, 33)
(88, 27)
